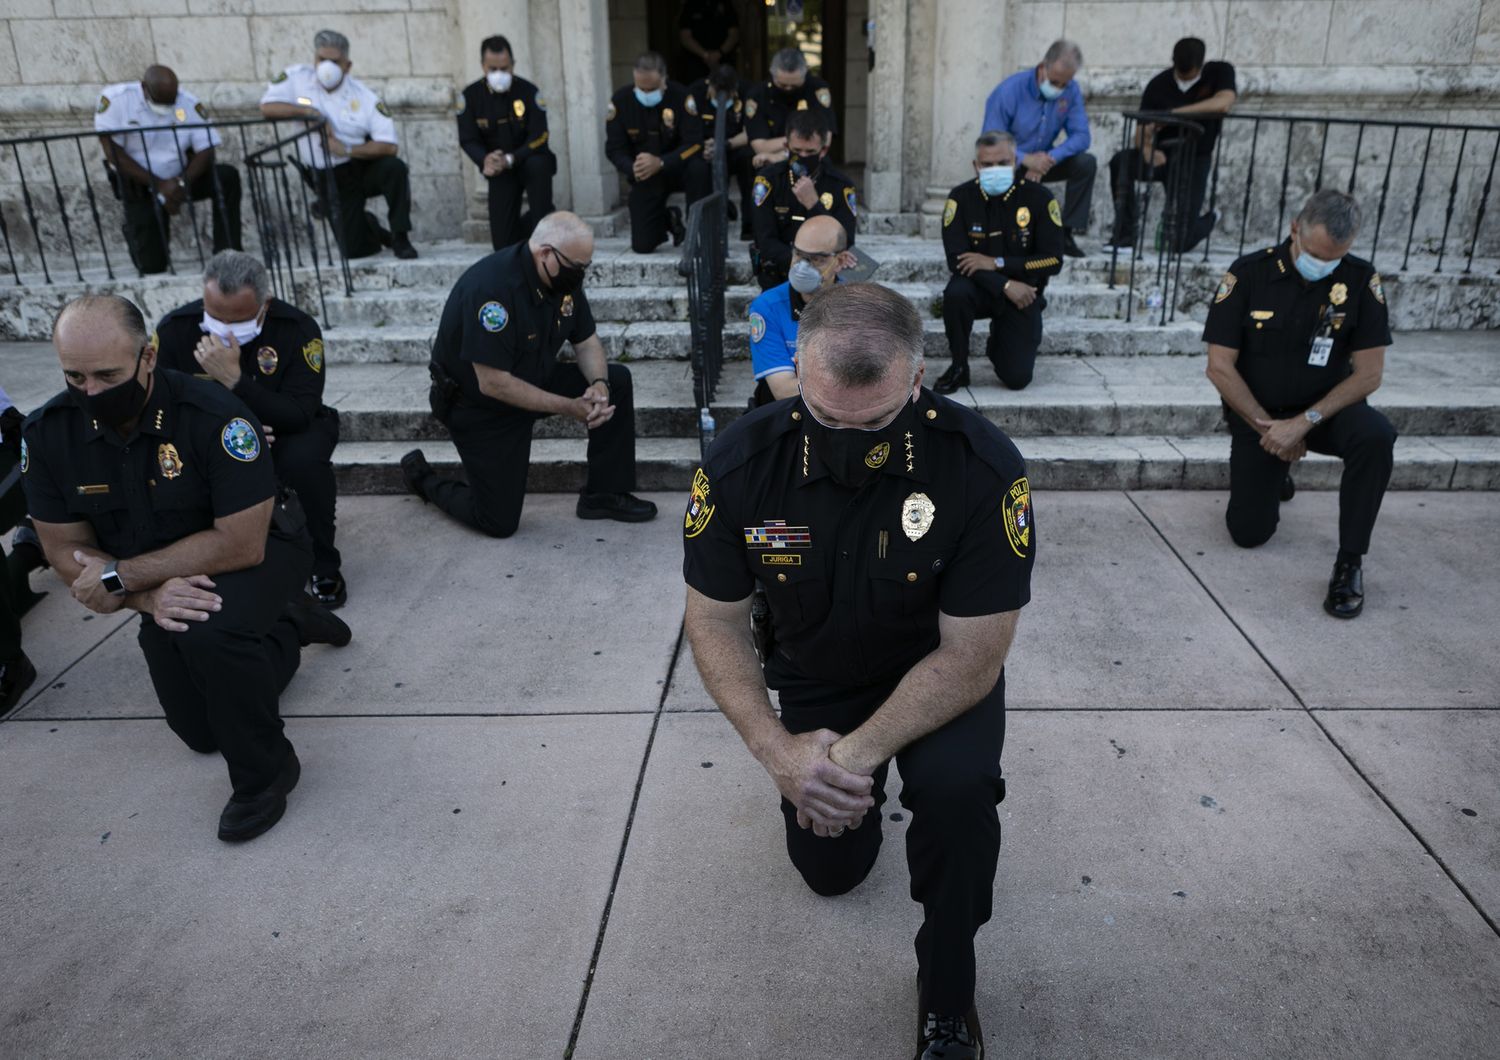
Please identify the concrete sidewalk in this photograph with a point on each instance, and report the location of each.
(1236, 827)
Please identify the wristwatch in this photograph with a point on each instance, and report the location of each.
(601, 380)
(999, 263)
(110, 579)
(1313, 416)
(510, 161)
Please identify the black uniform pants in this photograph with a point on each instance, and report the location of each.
(364, 178)
(1362, 437)
(1015, 334)
(648, 201)
(219, 682)
(741, 166)
(951, 784)
(148, 226)
(768, 273)
(494, 446)
(533, 177)
(1128, 167)
(304, 463)
(1079, 171)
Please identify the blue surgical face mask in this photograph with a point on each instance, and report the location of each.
(648, 99)
(996, 180)
(1314, 269)
(1050, 91)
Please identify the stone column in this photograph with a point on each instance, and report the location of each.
(584, 35)
(887, 102)
(970, 38)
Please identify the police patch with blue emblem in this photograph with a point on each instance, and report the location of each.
(850, 200)
(493, 317)
(762, 189)
(240, 440)
(757, 327)
(25, 456)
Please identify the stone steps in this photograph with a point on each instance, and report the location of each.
(1053, 463)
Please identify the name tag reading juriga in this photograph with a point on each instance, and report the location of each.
(1322, 348)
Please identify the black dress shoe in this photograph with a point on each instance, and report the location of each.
(1288, 488)
(415, 471)
(316, 624)
(382, 234)
(731, 210)
(675, 226)
(401, 244)
(331, 592)
(1346, 591)
(1070, 248)
(16, 677)
(623, 507)
(953, 380)
(950, 1037)
(248, 818)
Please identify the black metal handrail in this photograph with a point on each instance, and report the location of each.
(1180, 151)
(703, 264)
(281, 227)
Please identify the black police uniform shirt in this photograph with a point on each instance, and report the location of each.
(1271, 315)
(281, 369)
(514, 122)
(709, 21)
(1162, 94)
(500, 315)
(197, 454)
(856, 577)
(1023, 227)
(777, 213)
(700, 105)
(768, 107)
(666, 130)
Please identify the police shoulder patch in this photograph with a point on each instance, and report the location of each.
(1054, 211)
(103, 104)
(463, 104)
(610, 112)
(382, 108)
(25, 456)
(541, 102)
(1377, 288)
(240, 440)
(280, 77)
(493, 317)
(1226, 287)
(950, 209)
(762, 189)
(202, 111)
(750, 108)
(700, 507)
(850, 201)
(757, 327)
(691, 106)
(312, 353)
(1018, 517)
(825, 99)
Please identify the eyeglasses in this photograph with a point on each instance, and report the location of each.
(583, 266)
(814, 257)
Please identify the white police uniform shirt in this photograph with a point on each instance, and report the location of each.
(163, 152)
(355, 114)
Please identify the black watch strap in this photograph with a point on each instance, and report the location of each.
(600, 380)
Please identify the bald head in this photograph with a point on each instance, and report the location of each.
(821, 235)
(567, 232)
(160, 84)
(99, 340)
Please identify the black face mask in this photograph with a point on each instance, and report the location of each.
(806, 166)
(789, 96)
(568, 279)
(853, 456)
(119, 404)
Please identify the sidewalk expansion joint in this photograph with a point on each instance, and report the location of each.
(39, 692)
(1332, 740)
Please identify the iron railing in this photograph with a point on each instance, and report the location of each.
(1177, 138)
(68, 213)
(703, 264)
(1424, 187)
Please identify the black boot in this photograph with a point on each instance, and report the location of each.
(1346, 590)
(1288, 488)
(950, 1037)
(315, 623)
(244, 819)
(954, 379)
(401, 245)
(415, 472)
(622, 507)
(675, 226)
(382, 234)
(16, 677)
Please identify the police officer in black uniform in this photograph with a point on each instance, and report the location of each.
(1004, 240)
(652, 139)
(502, 126)
(495, 373)
(892, 533)
(709, 33)
(150, 491)
(703, 94)
(788, 193)
(1296, 343)
(772, 103)
(270, 353)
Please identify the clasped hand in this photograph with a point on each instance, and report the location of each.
(172, 604)
(646, 166)
(828, 797)
(592, 407)
(1284, 438)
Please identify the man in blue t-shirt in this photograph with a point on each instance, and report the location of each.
(818, 255)
(1037, 105)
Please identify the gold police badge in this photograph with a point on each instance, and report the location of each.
(916, 516)
(802, 104)
(519, 106)
(567, 306)
(827, 200)
(1338, 294)
(180, 114)
(168, 459)
(669, 117)
(266, 360)
(1023, 217)
(1018, 516)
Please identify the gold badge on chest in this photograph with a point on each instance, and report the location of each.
(668, 117)
(827, 200)
(567, 305)
(1338, 294)
(266, 360)
(519, 106)
(1023, 217)
(916, 516)
(168, 460)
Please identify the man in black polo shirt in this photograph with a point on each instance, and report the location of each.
(788, 193)
(502, 127)
(892, 533)
(149, 491)
(789, 89)
(709, 32)
(495, 373)
(1296, 343)
(1192, 89)
(726, 86)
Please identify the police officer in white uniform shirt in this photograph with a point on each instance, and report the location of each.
(158, 171)
(361, 146)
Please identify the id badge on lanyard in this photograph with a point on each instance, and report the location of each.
(1322, 343)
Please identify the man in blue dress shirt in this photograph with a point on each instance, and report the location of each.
(1035, 106)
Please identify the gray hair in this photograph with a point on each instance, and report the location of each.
(1064, 51)
(234, 270)
(651, 62)
(559, 226)
(859, 331)
(1338, 214)
(994, 138)
(330, 38)
(126, 314)
(789, 61)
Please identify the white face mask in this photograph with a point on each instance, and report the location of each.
(242, 330)
(1183, 86)
(499, 80)
(330, 74)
